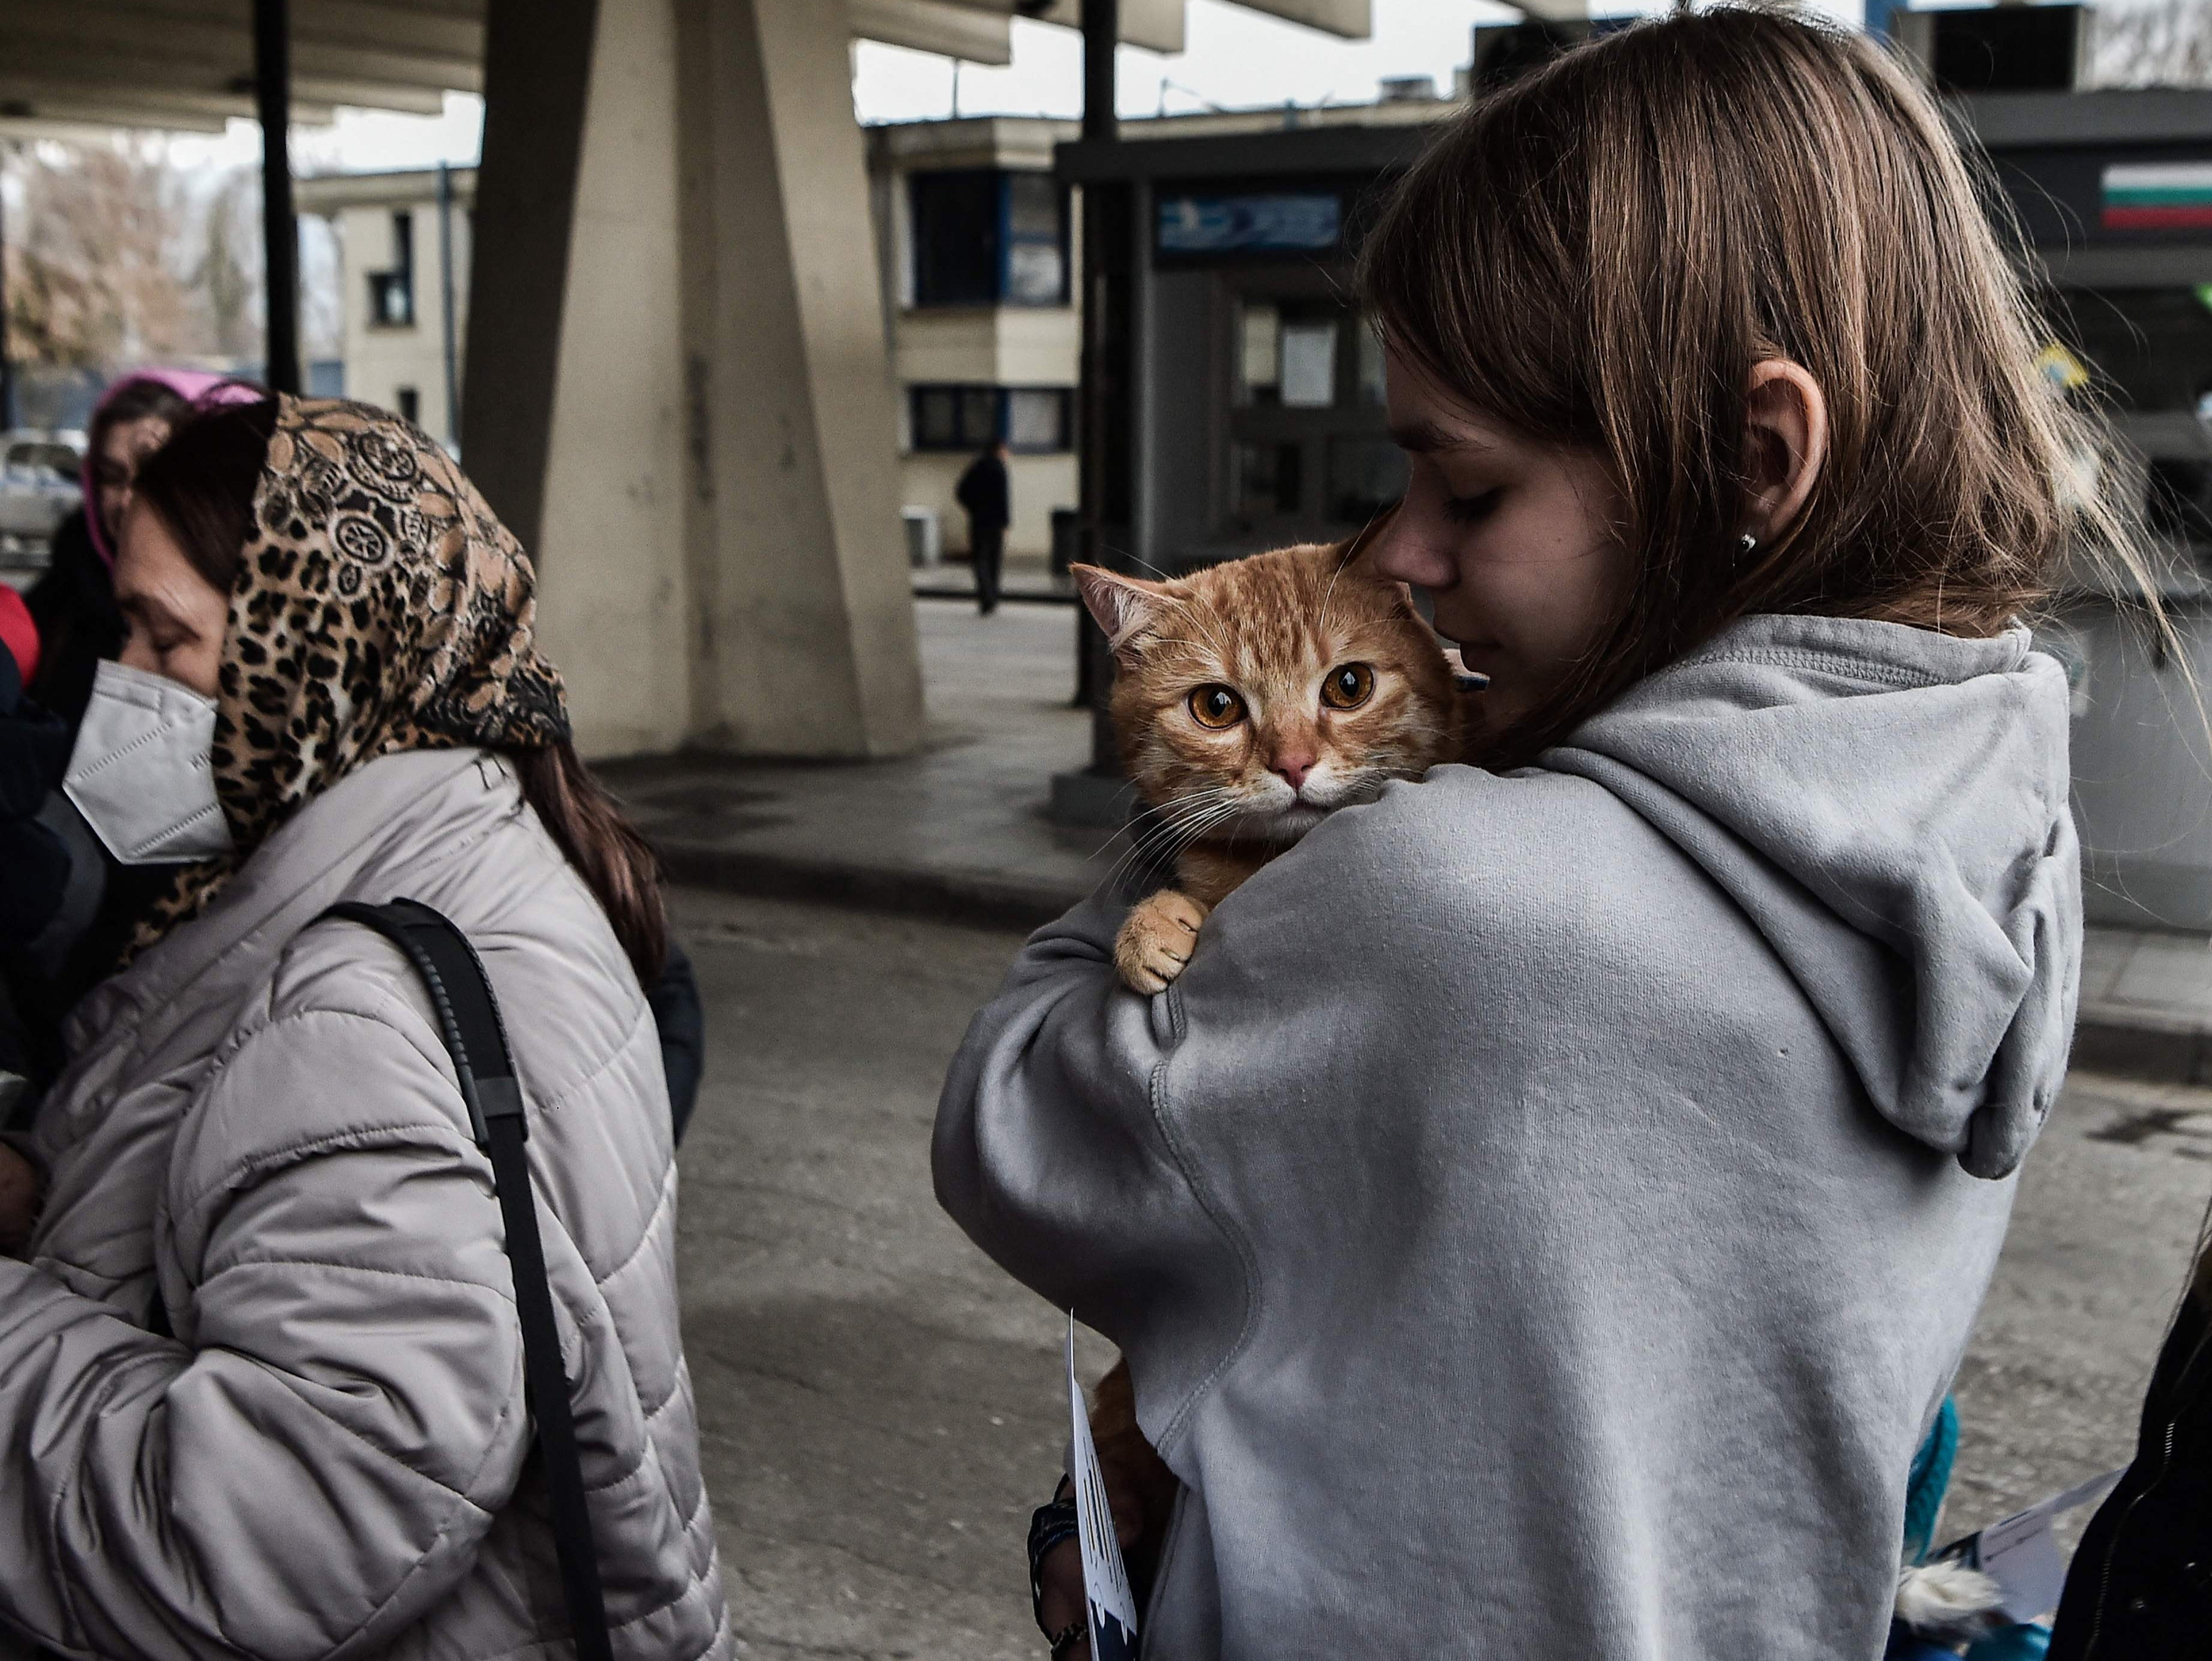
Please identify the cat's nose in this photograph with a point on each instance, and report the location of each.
(1293, 768)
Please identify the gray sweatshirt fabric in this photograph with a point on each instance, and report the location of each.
(262, 1129)
(1545, 1215)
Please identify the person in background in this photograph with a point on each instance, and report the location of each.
(79, 626)
(2140, 1586)
(983, 492)
(74, 603)
(34, 863)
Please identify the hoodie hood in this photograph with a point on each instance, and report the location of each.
(1889, 807)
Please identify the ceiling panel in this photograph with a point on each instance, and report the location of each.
(153, 62)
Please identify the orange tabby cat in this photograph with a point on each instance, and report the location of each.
(1252, 699)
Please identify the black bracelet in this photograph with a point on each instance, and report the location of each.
(1049, 1525)
(1072, 1633)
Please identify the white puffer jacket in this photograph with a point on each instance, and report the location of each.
(329, 1458)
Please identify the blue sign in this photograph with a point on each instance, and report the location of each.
(1241, 224)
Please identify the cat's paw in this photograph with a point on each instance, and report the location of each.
(1156, 939)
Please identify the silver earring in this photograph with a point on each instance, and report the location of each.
(1747, 547)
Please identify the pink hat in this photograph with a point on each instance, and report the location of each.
(194, 386)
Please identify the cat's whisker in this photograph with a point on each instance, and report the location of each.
(1173, 827)
(1123, 553)
(1184, 819)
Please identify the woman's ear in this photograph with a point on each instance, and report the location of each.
(1785, 443)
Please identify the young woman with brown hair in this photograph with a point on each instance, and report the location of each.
(260, 1364)
(1546, 1213)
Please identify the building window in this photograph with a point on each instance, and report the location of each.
(1029, 420)
(1265, 478)
(987, 237)
(1286, 356)
(410, 403)
(1036, 240)
(391, 291)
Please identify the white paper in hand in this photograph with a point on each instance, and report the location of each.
(1105, 1580)
(2022, 1555)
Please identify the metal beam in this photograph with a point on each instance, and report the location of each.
(7, 364)
(967, 33)
(432, 30)
(1353, 19)
(24, 98)
(94, 126)
(1156, 25)
(116, 78)
(280, 232)
(1102, 33)
(155, 48)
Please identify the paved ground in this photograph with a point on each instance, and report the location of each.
(881, 1406)
(2147, 1005)
(959, 828)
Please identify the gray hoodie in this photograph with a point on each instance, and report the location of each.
(1544, 1218)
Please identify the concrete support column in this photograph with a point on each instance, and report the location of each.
(677, 391)
(806, 616)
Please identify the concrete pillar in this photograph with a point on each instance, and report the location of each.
(677, 390)
(537, 71)
(615, 601)
(806, 642)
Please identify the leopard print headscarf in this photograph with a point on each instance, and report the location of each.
(380, 607)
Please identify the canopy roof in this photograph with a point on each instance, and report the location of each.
(189, 63)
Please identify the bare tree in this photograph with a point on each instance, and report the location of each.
(2163, 42)
(226, 281)
(91, 267)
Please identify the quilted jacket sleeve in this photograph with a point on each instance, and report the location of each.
(312, 1462)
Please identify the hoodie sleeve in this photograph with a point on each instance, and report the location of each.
(1052, 1153)
(314, 1466)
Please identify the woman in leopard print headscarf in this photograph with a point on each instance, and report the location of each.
(375, 605)
(261, 1383)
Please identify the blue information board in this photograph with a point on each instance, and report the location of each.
(1285, 221)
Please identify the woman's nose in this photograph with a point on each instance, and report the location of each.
(1400, 556)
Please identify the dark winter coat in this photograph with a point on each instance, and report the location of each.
(2141, 1585)
(982, 490)
(33, 865)
(79, 622)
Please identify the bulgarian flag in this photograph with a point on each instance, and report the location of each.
(2159, 196)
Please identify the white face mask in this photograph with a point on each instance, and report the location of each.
(140, 773)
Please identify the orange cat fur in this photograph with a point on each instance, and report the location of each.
(1251, 699)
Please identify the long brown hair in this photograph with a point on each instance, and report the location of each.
(1600, 254)
(203, 482)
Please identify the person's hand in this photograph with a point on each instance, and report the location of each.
(20, 1198)
(1060, 1575)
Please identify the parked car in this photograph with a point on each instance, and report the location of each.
(38, 486)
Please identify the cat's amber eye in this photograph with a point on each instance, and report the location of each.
(1216, 707)
(1348, 686)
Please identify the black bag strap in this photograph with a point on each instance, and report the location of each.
(469, 1021)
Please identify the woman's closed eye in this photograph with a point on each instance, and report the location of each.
(1471, 510)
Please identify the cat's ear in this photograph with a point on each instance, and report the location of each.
(1124, 607)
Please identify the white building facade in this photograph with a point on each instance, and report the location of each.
(403, 243)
